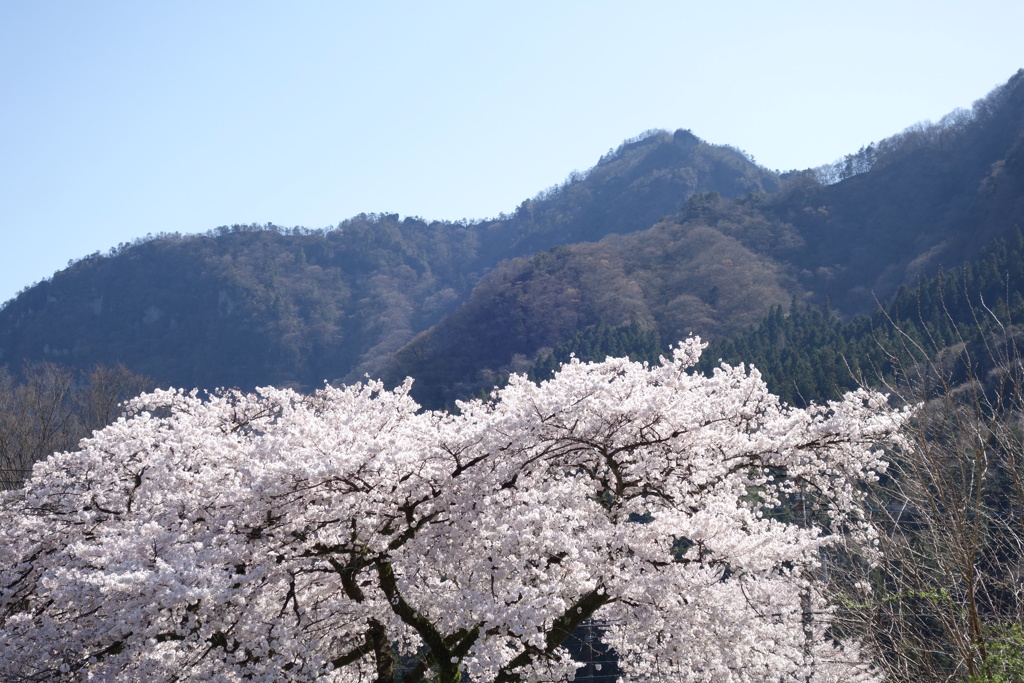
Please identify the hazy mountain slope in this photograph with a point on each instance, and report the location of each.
(457, 303)
(933, 196)
(809, 354)
(629, 189)
(928, 197)
(247, 306)
(675, 278)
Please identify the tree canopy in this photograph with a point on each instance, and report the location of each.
(349, 535)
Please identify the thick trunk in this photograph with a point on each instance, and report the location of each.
(382, 651)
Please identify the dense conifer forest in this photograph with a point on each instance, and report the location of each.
(810, 354)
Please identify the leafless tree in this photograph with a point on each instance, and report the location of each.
(51, 408)
(946, 601)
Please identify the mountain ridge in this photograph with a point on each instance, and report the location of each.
(249, 305)
(667, 232)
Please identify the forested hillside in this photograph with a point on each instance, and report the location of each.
(931, 196)
(810, 354)
(246, 305)
(675, 279)
(844, 237)
(252, 305)
(667, 234)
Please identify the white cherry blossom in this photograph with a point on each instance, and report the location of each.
(274, 536)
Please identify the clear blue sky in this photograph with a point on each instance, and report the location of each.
(119, 119)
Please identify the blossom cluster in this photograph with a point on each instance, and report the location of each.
(341, 535)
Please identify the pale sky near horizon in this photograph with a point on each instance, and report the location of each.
(119, 119)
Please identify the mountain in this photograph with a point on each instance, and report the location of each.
(931, 196)
(630, 189)
(845, 237)
(667, 234)
(248, 305)
(675, 278)
(810, 354)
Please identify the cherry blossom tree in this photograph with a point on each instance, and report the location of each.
(350, 536)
